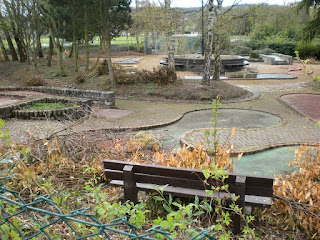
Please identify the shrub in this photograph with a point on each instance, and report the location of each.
(81, 77)
(266, 51)
(254, 54)
(142, 141)
(242, 50)
(163, 76)
(256, 44)
(299, 193)
(308, 50)
(103, 68)
(284, 48)
(123, 76)
(34, 81)
(281, 44)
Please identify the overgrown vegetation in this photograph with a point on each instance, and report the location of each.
(45, 106)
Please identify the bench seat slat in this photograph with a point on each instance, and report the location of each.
(185, 192)
(184, 173)
(251, 189)
(191, 174)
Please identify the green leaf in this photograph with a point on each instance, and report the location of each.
(158, 198)
(198, 213)
(196, 200)
(167, 208)
(177, 204)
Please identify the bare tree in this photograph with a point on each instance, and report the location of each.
(214, 38)
(209, 46)
(169, 34)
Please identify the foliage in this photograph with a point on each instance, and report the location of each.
(242, 50)
(266, 51)
(254, 54)
(45, 106)
(312, 29)
(308, 50)
(163, 76)
(198, 157)
(307, 69)
(142, 141)
(298, 193)
(32, 80)
(278, 43)
(103, 68)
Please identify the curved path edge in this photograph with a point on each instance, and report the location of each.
(256, 149)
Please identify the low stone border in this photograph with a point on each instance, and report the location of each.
(269, 59)
(105, 98)
(74, 112)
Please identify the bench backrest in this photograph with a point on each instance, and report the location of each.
(185, 178)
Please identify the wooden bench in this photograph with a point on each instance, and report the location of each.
(252, 190)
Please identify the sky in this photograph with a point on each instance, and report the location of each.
(197, 3)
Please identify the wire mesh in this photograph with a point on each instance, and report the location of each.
(43, 219)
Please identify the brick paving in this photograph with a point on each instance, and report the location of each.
(295, 128)
(306, 104)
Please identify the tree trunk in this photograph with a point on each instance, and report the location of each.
(217, 59)
(217, 43)
(21, 50)
(98, 58)
(13, 52)
(74, 37)
(11, 47)
(169, 33)
(60, 59)
(137, 32)
(39, 47)
(50, 53)
(86, 38)
(208, 48)
(170, 47)
(138, 41)
(110, 68)
(4, 51)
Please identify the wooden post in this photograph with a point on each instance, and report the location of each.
(130, 187)
(240, 190)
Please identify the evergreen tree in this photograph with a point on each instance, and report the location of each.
(312, 28)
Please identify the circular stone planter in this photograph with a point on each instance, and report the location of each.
(77, 110)
(58, 114)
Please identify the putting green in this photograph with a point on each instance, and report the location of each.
(267, 163)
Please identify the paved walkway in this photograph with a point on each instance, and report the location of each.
(294, 129)
(306, 104)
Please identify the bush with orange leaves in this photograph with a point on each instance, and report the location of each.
(298, 194)
(198, 158)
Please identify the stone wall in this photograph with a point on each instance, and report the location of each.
(104, 98)
(80, 109)
(271, 59)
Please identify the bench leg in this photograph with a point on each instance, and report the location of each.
(240, 189)
(130, 187)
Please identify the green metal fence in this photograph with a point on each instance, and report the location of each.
(43, 219)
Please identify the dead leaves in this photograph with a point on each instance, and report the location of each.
(300, 192)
